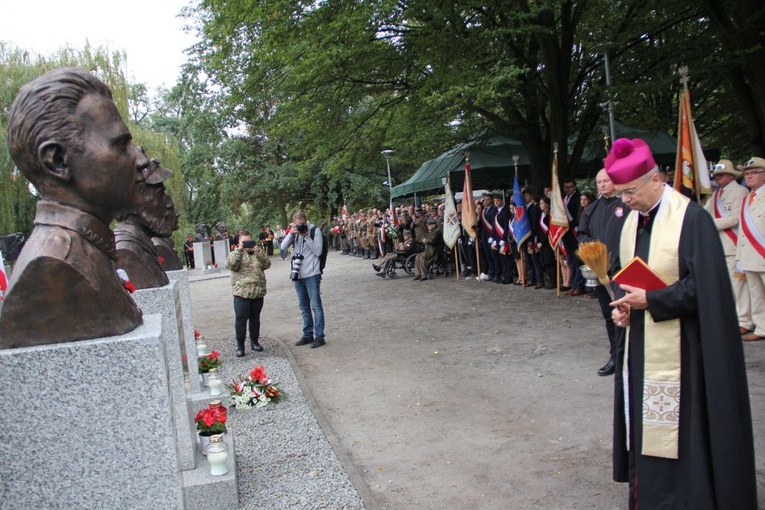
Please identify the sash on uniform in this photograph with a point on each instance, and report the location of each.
(720, 212)
(661, 377)
(754, 236)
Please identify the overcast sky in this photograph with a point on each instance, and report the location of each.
(149, 31)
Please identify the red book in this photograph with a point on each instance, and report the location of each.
(637, 274)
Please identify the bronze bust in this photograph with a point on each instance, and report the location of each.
(153, 216)
(68, 139)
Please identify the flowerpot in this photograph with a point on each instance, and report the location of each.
(204, 442)
(204, 376)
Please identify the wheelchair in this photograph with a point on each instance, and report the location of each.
(442, 265)
(405, 262)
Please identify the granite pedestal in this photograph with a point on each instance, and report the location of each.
(89, 424)
(166, 302)
(222, 249)
(202, 255)
(187, 320)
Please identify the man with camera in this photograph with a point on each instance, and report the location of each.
(248, 284)
(307, 243)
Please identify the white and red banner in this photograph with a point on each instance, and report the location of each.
(558, 215)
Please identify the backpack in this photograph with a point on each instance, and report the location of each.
(324, 249)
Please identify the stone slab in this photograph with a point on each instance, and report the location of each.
(202, 255)
(203, 491)
(89, 424)
(191, 367)
(166, 302)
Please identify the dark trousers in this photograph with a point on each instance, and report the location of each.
(190, 259)
(492, 260)
(247, 310)
(604, 299)
(534, 267)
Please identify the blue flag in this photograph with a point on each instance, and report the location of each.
(520, 224)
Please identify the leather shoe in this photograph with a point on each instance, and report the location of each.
(255, 345)
(539, 286)
(576, 292)
(607, 369)
(375, 267)
(381, 275)
(304, 341)
(318, 342)
(418, 277)
(564, 288)
(744, 331)
(752, 337)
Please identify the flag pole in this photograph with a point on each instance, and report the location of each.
(456, 262)
(557, 270)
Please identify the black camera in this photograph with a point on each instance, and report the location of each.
(302, 228)
(249, 244)
(297, 261)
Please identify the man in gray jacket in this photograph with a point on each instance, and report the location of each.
(307, 243)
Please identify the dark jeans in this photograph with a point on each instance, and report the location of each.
(603, 300)
(309, 300)
(247, 310)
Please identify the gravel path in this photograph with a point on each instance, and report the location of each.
(284, 459)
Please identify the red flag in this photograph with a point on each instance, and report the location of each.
(559, 214)
(691, 173)
(468, 206)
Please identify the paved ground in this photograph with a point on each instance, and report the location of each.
(454, 393)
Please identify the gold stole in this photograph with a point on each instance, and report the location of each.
(661, 379)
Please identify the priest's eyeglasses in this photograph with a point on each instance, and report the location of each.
(630, 192)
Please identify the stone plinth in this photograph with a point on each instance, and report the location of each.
(202, 255)
(89, 424)
(187, 319)
(166, 302)
(222, 249)
(203, 491)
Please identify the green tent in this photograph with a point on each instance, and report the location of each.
(491, 162)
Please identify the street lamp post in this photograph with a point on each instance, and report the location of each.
(388, 153)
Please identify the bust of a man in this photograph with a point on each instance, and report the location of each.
(153, 216)
(202, 232)
(68, 139)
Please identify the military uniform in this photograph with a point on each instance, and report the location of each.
(725, 207)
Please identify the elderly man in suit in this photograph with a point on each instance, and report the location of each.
(750, 251)
(725, 208)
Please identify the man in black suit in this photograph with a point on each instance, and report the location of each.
(487, 240)
(503, 272)
(534, 269)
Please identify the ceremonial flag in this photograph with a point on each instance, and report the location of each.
(521, 227)
(3, 278)
(451, 221)
(691, 172)
(558, 215)
(468, 206)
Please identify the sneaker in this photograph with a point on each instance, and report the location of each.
(318, 342)
(484, 277)
(304, 341)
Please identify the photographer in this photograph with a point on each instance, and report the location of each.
(248, 284)
(307, 244)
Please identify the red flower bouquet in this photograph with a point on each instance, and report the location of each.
(211, 421)
(212, 360)
(255, 390)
